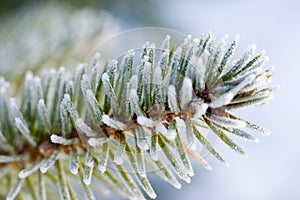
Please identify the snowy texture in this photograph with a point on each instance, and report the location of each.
(138, 113)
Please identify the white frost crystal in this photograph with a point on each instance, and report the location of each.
(186, 93)
(113, 123)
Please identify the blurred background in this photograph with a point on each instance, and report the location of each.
(34, 34)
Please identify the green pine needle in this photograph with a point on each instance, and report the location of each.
(142, 113)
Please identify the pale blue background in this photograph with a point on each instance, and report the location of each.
(272, 171)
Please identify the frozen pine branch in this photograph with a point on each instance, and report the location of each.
(74, 125)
